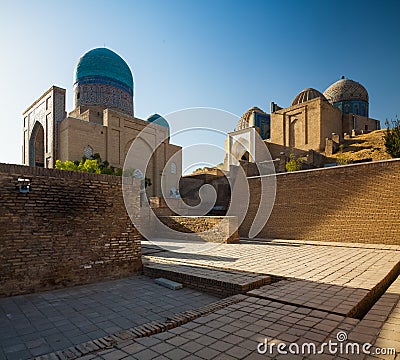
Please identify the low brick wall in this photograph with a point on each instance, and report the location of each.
(196, 224)
(355, 203)
(71, 228)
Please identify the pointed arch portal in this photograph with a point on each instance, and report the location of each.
(36, 146)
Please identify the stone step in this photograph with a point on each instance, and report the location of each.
(313, 295)
(173, 285)
(335, 299)
(219, 282)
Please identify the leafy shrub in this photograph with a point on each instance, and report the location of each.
(294, 164)
(66, 165)
(392, 138)
(89, 166)
(96, 166)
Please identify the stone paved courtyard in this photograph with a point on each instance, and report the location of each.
(36, 324)
(317, 291)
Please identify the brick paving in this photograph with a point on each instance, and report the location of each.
(327, 297)
(36, 324)
(354, 267)
(235, 332)
(381, 326)
(315, 286)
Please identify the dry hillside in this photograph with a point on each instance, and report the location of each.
(366, 146)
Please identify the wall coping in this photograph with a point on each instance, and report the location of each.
(198, 216)
(24, 170)
(332, 168)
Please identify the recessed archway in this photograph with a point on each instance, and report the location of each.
(36, 146)
(245, 156)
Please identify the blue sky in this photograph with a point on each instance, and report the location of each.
(229, 55)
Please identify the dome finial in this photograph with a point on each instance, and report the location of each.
(343, 77)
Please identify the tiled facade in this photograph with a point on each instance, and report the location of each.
(108, 96)
(44, 115)
(102, 122)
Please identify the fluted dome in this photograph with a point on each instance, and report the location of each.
(102, 63)
(306, 95)
(346, 90)
(245, 119)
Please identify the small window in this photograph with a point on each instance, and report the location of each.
(173, 168)
(346, 109)
(356, 109)
(366, 127)
(88, 152)
(174, 193)
(78, 95)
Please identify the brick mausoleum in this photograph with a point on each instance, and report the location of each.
(102, 122)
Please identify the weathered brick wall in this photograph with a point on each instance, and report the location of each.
(206, 224)
(355, 203)
(72, 228)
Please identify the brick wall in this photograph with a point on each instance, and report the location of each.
(207, 224)
(72, 228)
(354, 203)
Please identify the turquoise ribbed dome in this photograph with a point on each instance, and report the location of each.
(159, 120)
(102, 63)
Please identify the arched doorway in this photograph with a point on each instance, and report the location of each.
(36, 146)
(245, 156)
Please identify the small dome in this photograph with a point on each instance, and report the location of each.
(307, 95)
(244, 120)
(159, 120)
(102, 64)
(346, 90)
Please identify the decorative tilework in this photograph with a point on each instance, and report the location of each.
(102, 94)
(346, 90)
(102, 62)
(261, 120)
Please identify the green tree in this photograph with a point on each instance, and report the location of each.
(89, 166)
(66, 165)
(97, 166)
(294, 164)
(392, 138)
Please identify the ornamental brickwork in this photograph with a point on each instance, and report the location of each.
(108, 96)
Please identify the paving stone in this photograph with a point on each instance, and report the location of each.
(177, 341)
(221, 346)
(173, 285)
(253, 318)
(23, 354)
(41, 350)
(14, 348)
(93, 308)
(114, 355)
(205, 340)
